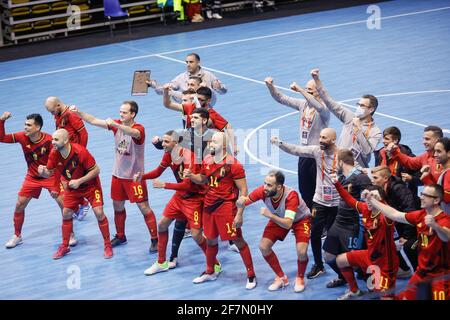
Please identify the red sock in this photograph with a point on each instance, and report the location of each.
(273, 262)
(67, 228)
(19, 217)
(349, 275)
(150, 221)
(247, 258)
(202, 245)
(104, 228)
(119, 220)
(163, 238)
(211, 253)
(301, 267)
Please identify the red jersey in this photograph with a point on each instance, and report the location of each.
(221, 177)
(35, 153)
(74, 125)
(76, 165)
(292, 200)
(184, 186)
(416, 163)
(434, 254)
(217, 120)
(380, 233)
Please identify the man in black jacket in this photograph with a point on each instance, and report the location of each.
(382, 158)
(345, 234)
(400, 198)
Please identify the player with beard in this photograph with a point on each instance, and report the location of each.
(326, 198)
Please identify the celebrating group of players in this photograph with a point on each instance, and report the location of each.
(211, 192)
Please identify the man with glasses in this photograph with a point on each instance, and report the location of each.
(433, 229)
(359, 134)
(194, 69)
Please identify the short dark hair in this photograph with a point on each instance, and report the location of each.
(205, 91)
(373, 102)
(346, 156)
(445, 142)
(174, 135)
(197, 57)
(133, 106)
(380, 190)
(436, 131)
(279, 176)
(202, 112)
(37, 119)
(438, 189)
(189, 91)
(198, 79)
(394, 132)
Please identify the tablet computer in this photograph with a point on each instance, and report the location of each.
(140, 87)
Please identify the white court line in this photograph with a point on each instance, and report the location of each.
(249, 136)
(222, 44)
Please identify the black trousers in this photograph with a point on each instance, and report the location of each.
(307, 171)
(323, 218)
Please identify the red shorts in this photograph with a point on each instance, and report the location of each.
(185, 209)
(126, 189)
(439, 288)
(220, 222)
(74, 198)
(301, 230)
(32, 187)
(360, 258)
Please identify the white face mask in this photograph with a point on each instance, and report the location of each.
(360, 112)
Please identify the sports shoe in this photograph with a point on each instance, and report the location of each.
(72, 241)
(108, 254)
(299, 284)
(336, 283)
(187, 233)
(233, 247)
(217, 16)
(279, 283)
(117, 241)
(251, 283)
(13, 242)
(348, 295)
(315, 272)
(205, 277)
(61, 252)
(83, 211)
(404, 274)
(154, 246)
(157, 267)
(173, 263)
(324, 235)
(209, 14)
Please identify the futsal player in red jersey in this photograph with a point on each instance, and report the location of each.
(380, 258)
(80, 179)
(286, 211)
(129, 138)
(433, 230)
(66, 119)
(225, 179)
(185, 204)
(36, 146)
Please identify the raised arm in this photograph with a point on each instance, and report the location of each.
(306, 151)
(413, 163)
(90, 118)
(341, 112)
(442, 232)
(296, 104)
(388, 211)
(129, 131)
(168, 103)
(312, 102)
(6, 138)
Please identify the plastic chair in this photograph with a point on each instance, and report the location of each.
(112, 9)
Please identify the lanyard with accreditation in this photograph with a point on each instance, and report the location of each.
(327, 191)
